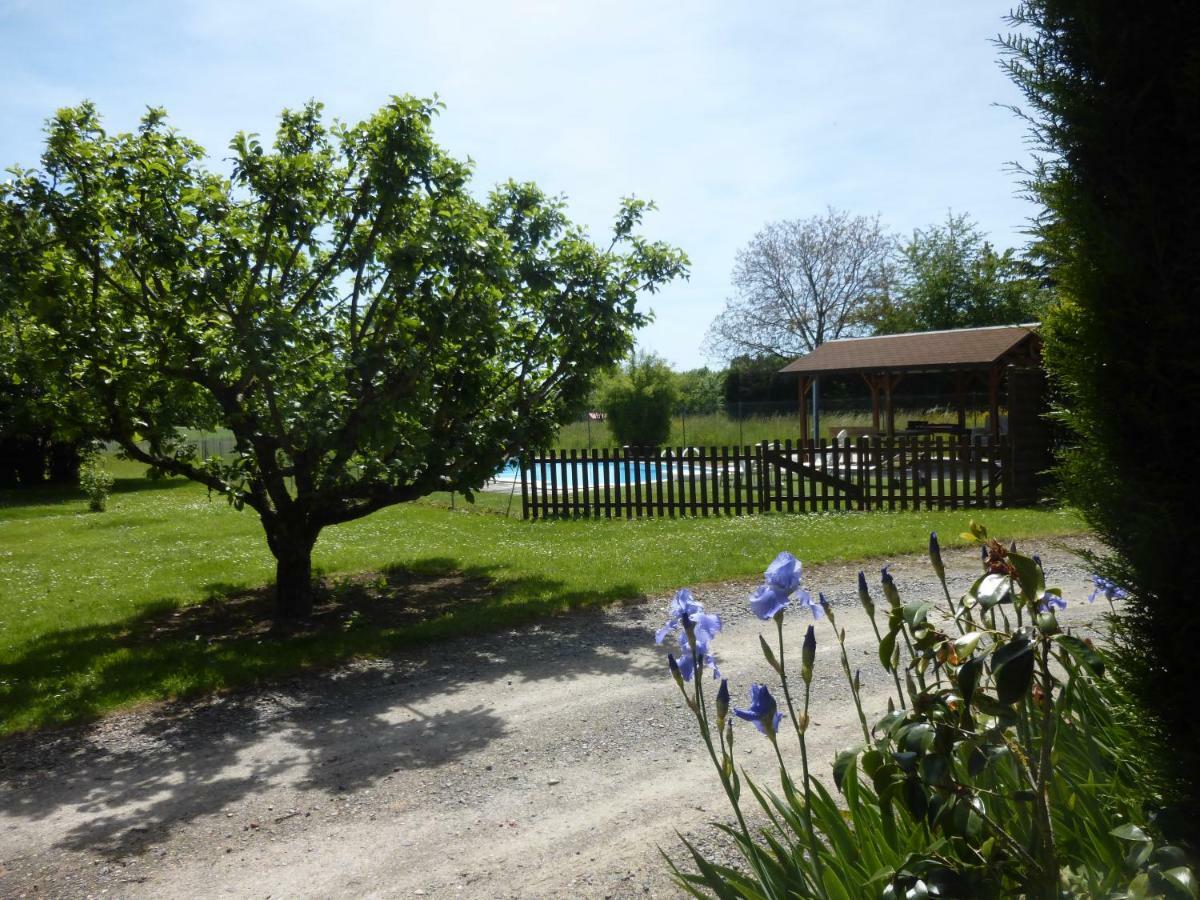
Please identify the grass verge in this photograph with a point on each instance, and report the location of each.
(163, 595)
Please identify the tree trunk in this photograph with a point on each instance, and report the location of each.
(293, 570)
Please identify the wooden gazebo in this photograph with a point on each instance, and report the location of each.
(969, 354)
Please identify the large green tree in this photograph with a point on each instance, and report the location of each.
(1113, 94)
(950, 276)
(368, 329)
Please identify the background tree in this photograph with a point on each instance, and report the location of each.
(640, 400)
(752, 383)
(37, 442)
(367, 330)
(1113, 90)
(701, 390)
(801, 282)
(949, 276)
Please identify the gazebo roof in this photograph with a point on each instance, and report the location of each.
(926, 351)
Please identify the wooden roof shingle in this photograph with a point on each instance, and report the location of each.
(926, 351)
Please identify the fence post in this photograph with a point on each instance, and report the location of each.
(760, 466)
(521, 460)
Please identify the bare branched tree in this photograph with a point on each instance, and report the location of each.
(801, 282)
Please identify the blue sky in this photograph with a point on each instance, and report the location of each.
(728, 115)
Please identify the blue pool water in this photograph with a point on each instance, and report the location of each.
(595, 473)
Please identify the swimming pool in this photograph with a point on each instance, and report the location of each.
(595, 473)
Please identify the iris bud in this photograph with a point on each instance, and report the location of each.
(808, 654)
(722, 703)
(674, 666)
(935, 556)
(864, 595)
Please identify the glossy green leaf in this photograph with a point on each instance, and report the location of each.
(1012, 668)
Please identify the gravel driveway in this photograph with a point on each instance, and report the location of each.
(549, 761)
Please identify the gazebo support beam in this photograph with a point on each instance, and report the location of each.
(873, 385)
(994, 375)
(805, 382)
(890, 383)
(960, 399)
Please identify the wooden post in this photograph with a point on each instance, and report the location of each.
(804, 382)
(873, 385)
(994, 375)
(960, 398)
(890, 383)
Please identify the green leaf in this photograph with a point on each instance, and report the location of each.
(968, 677)
(1183, 878)
(994, 590)
(1029, 577)
(965, 645)
(886, 646)
(1012, 668)
(1083, 654)
(1129, 832)
(842, 764)
(916, 612)
(1047, 623)
(833, 886)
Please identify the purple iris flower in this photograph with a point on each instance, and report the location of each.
(763, 712)
(780, 581)
(705, 627)
(687, 663)
(766, 601)
(935, 553)
(1051, 602)
(783, 573)
(885, 576)
(680, 614)
(1108, 588)
(686, 614)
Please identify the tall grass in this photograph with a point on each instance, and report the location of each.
(721, 430)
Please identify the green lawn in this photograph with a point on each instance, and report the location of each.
(149, 599)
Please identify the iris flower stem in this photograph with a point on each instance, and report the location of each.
(912, 655)
(1049, 855)
(701, 713)
(812, 835)
(862, 718)
(895, 674)
(787, 696)
(950, 604)
(783, 680)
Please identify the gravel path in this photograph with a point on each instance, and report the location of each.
(548, 761)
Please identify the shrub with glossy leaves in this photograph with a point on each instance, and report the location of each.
(1001, 767)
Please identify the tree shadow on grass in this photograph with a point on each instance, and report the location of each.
(127, 781)
(53, 496)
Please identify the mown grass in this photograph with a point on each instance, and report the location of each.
(101, 610)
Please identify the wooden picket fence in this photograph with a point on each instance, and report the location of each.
(904, 472)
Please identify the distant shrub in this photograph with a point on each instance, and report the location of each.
(96, 481)
(639, 402)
